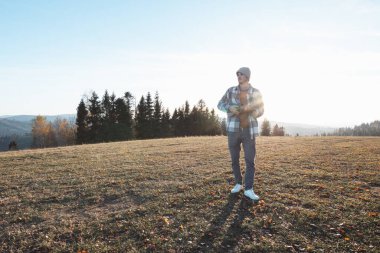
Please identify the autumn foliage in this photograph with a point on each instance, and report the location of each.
(47, 134)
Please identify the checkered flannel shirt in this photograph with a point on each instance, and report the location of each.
(255, 103)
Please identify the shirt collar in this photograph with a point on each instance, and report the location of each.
(237, 89)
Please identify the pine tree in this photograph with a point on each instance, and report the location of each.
(282, 131)
(157, 117)
(106, 106)
(365, 129)
(81, 122)
(195, 117)
(278, 131)
(223, 126)
(187, 124)
(124, 121)
(201, 118)
(275, 130)
(112, 111)
(142, 119)
(166, 124)
(214, 124)
(180, 123)
(265, 128)
(149, 116)
(174, 122)
(95, 118)
(130, 100)
(106, 130)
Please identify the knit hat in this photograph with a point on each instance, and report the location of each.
(245, 71)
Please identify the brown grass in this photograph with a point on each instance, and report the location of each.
(172, 195)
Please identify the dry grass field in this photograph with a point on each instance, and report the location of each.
(318, 194)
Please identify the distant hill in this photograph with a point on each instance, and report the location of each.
(19, 128)
(14, 127)
(29, 118)
(21, 124)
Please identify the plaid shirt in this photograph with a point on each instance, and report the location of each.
(255, 103)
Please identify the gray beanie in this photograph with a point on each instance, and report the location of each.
(245, 71)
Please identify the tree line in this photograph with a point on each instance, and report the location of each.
(267, 131)
(108, 119)
(365, 129)
(117, 119)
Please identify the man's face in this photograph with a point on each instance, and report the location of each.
(241, 78)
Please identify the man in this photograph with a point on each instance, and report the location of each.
(243, 105)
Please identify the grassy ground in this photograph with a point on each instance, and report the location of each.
(172, 195)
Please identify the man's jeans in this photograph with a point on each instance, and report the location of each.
(249, 147)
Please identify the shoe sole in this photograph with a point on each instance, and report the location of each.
(237, 191)
(254, 200)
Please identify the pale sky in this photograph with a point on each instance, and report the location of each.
(315, 62)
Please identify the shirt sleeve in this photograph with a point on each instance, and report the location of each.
(258, 105)
(224, 104)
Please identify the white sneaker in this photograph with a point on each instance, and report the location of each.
(237, 188)
(250, 194)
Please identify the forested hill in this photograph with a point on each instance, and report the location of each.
(19, 128)
(22, 124)
(14, 127)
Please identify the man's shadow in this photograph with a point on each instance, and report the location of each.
(230, 238)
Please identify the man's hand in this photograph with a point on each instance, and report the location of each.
(234, 109)
(246, 108)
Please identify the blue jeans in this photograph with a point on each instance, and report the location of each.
(249, 145)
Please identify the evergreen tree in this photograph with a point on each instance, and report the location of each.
(195, 117)
(130, 100)
(106, 106)
(149, 116)
(157, 117)
(201, 118)
(180, 126)
(265, 128)
(166, 124)
(187, 122)
(278, 131)
(112, 112)
(214, 124)
(223, 126)
(94, 120)
(112, 119)
(142, 122)
(275, 130)
(81, 122)
(365, 129)
(106, 122)
(174, 122)
(123, 127)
